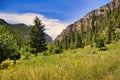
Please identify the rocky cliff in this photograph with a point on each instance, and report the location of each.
(89, 20)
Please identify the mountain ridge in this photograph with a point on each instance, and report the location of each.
(20, 31)
(88, 20)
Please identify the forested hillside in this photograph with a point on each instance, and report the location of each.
(88, 49)
(100, 26)
(20, 32)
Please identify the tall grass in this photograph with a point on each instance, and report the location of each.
(71, 65)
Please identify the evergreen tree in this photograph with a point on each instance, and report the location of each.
(8, 46)
(72, 40)
(100, 42)
(78, 40)
(109, 32)
(65, 43)
(37, 37)
(57, 47)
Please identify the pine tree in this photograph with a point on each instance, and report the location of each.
(72, 40)
(37, 37)
(100, 41)
(78, 40)
(109, 32)
(65, 43)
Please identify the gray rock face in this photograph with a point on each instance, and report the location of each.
(48, 38)
(87, 20)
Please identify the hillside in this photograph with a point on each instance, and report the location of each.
(78, 64)
(98, 21)
(20, 31)
(88, 49)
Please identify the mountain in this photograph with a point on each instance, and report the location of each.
(99, 19)
(20, 31)
(3, 22)
(48, 38)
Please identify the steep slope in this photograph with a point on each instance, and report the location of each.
(20, 31)
(48, 38)
(97, 19)
(3, 22)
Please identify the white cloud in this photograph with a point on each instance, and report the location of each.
(53, 26)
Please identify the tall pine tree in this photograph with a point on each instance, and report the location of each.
(37, 37)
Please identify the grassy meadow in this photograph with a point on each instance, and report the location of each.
(77, 64)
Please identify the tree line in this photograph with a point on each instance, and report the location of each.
(101, 31)
(9, 47)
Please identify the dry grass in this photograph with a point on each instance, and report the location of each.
(71, 65)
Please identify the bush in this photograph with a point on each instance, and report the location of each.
(27, 55)
(57, 51)
(25, 51)
(5, 65)
(46, 53)
(53, 49)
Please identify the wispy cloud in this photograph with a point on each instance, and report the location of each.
(53, 26)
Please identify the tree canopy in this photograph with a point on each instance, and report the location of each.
(8, 45)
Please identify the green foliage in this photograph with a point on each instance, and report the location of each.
(78, 40)
(57, 50)
(20, 32)
(100, 43)
(53, 48)
(25, 52)
(37, 37)
(72, 41)
(102, 30)
(50, 49)
(5, 65)
(8, 45)
(71, 65)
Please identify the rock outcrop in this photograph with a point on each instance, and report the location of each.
(88, 19)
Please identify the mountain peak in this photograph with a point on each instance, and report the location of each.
(2, 21)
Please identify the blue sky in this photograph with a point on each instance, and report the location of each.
(54, 13)
(64, 10)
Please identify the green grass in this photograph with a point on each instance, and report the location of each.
(77, 64)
